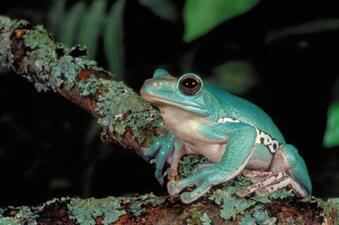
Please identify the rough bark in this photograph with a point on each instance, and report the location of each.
(127, 119)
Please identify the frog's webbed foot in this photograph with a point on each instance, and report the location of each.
(158, 153)
(272, 182)
(204, 179)
(165, 149)
(179, 151)
(257, 175)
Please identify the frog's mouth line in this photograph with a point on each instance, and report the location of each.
(157, 101)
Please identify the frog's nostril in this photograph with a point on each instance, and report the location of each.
(157, 83)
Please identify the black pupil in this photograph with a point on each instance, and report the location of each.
(190, 85)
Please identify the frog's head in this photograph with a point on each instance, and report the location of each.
(187, 92)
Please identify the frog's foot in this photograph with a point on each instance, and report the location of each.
(160, 161)
(203, 187)
(201, 166)
(161, 149)
(204, 179)
(272, 183)
(174, 160)
(286, 182)
(175, 187)
(255, 174)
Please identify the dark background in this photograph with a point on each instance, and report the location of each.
(50, 147)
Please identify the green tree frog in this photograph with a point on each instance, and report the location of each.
(235, 135)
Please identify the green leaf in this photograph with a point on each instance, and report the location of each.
(201, 16)
(234, 76)
(113, 39)
(311, 27)
(71, 24)
(165, 9)
(55, 16)
(91, 26)
(331, 138)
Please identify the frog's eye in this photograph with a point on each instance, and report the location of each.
(190, 84)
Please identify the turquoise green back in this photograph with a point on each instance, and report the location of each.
(245, 111)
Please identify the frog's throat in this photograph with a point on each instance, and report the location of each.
(159, 102)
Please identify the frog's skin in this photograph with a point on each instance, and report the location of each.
(234, 134)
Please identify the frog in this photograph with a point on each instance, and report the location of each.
(236, 136)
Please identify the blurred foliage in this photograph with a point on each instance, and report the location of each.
(55, 16)
(113, 39)
(331, 137)
(311, 27)
(201, 16)
(91, 26)
(71, 23)
(86, 24)
(165, 9)
(234, 76)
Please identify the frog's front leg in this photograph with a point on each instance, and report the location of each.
(241, 140)
(162, 149)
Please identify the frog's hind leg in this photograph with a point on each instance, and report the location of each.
(285, 182)
(297, 168)
(288, 169)
(271, 183)
(161, 149)
(254, 174)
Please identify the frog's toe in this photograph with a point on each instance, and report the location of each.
(186, 197)
(173, 188)
(159, 175)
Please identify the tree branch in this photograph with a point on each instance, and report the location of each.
(32, 53)
(133, 123)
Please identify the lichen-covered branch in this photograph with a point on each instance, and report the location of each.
(133, 123)
(32, 53)
(220, 206)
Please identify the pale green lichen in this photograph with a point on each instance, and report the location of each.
(247, 220)
(6, 27)
(51, 69)
(232, 206)
(250, 208)
(188, 163)
(195, 216)
(88, 87)
(85, 211)
(121, 110)
(205, 220)
(328, 206)
(9, 221)
(261, 216)
(138, 205)
(26, 216)
(281, 194)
